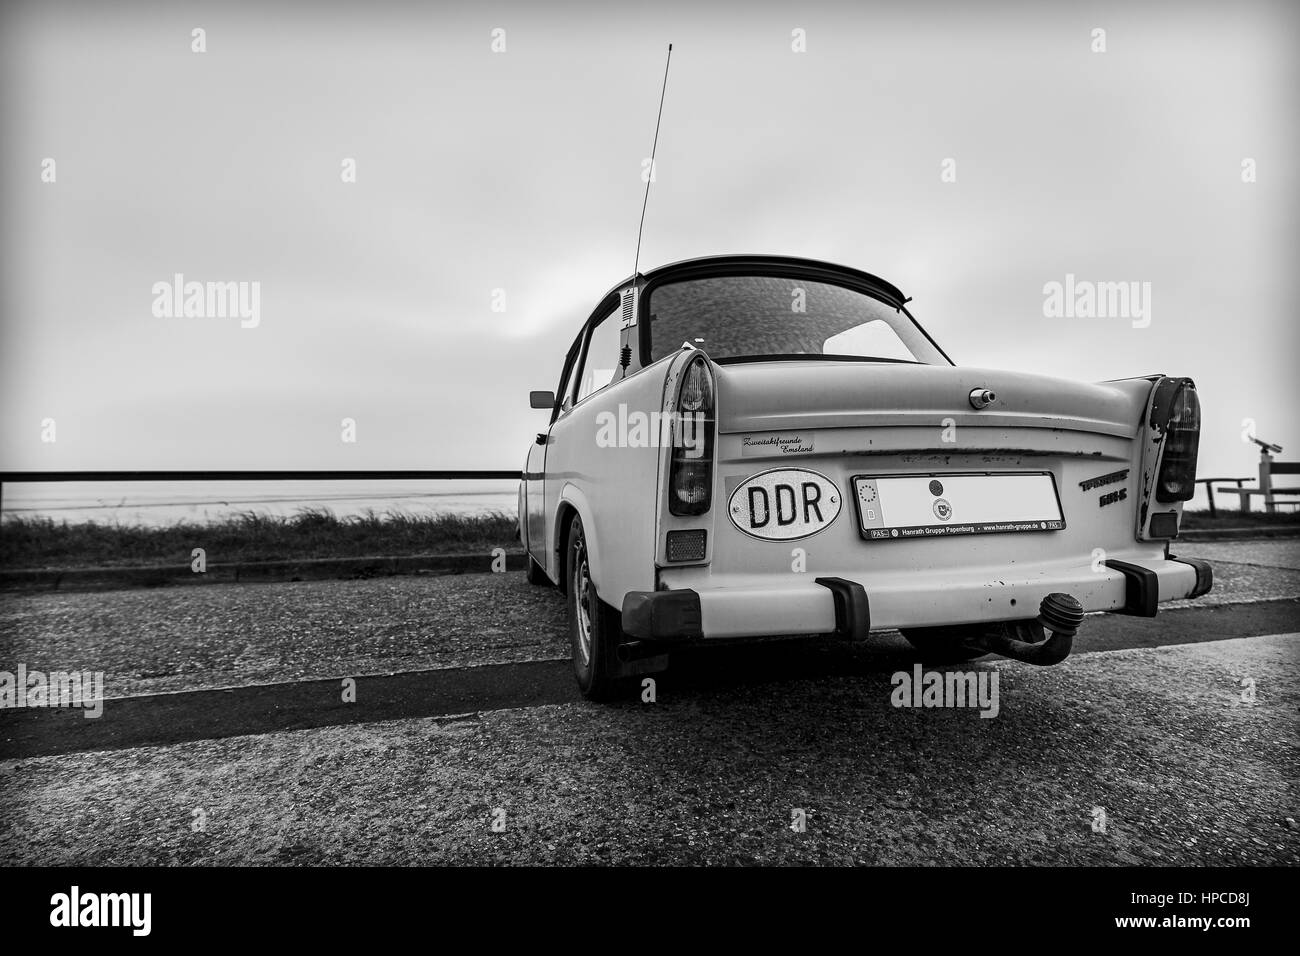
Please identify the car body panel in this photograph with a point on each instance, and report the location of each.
(581, 476)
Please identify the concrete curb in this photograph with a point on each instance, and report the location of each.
(89, 579)
(1237, 534)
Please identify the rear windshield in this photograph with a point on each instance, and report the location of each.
(756, 315)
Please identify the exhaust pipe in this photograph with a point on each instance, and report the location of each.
(1026, 641)
(635, 658)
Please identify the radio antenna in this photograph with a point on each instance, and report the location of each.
(651, 175)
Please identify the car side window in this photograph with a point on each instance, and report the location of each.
(564, 394)
(600, 357)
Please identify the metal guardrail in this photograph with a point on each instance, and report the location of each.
(373, 474)
(259, 475)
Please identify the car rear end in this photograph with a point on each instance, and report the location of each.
(821, 496)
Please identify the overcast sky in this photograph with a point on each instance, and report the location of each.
(520, 170)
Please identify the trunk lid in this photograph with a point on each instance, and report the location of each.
(799, 395)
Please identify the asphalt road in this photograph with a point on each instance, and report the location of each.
(226, 738)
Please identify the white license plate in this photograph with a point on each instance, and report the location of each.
(892, 507)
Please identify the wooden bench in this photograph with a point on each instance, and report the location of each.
(1267, 469)
(1209, 484)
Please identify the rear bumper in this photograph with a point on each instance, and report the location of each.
(844, 605)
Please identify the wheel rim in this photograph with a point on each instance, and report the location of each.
(583, 592)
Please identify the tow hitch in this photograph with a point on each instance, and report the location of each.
(1029, 641)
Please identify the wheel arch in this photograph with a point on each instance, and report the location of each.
(573, 501)
(563, 517)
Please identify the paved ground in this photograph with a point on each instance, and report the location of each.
(1247, 570)
(188, 638)
(1139, 725)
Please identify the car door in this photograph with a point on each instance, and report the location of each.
(571, 439)
(539, 533)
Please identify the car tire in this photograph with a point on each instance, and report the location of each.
(595, 628)
(944, 645)
(535, 574)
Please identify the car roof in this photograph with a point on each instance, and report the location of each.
(812, 269)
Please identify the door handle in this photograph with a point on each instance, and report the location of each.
(541, 438)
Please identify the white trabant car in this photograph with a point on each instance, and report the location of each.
(747, 446)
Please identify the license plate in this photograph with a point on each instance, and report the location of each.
(892, 507)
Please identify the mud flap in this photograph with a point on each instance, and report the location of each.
(638, 666)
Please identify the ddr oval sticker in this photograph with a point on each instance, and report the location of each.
(784, 504)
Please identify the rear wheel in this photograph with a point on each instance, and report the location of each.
(945, 645)
(594, 627)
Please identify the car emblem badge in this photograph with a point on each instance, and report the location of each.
(784, 504)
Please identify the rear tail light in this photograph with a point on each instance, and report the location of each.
(1177, 478)
(690, 481)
